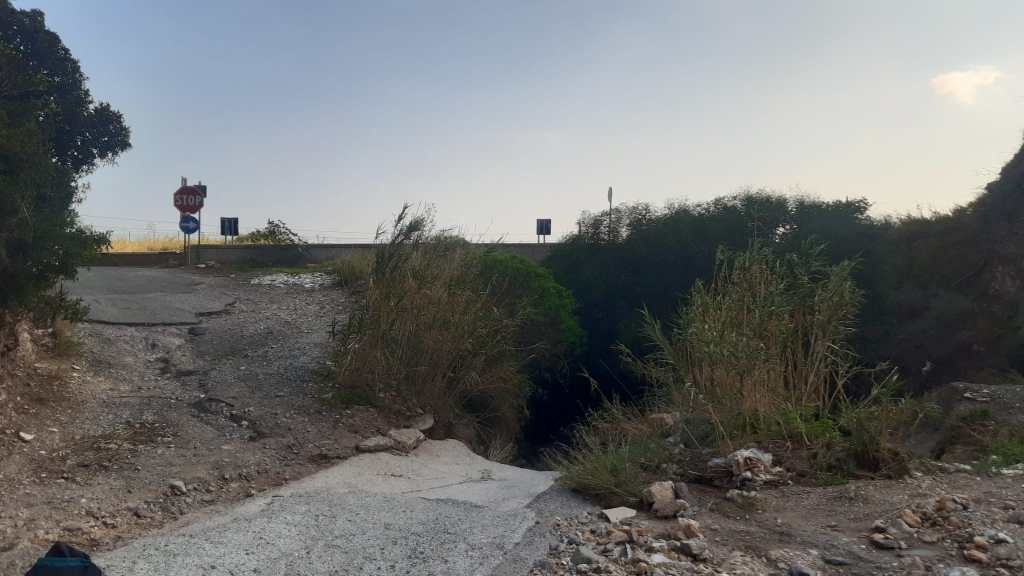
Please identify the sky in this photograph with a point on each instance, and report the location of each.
(329, 115)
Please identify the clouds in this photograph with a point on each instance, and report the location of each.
(963, 85)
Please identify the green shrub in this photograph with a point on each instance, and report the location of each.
(1008, 452)
(276, 232)
(550, 331)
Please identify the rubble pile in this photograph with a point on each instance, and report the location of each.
(617, 542)
(747, 470)
(305, 280)
(947, 521)
(591, 545)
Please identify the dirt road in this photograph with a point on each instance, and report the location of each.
(229, 407)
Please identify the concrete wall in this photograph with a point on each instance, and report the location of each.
(139, 259)
(263, 255)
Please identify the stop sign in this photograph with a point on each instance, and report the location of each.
(188, 200)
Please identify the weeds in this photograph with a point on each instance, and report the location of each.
(427, 335)
(763, 348)
(1008, 452)
(614, 455)
(759, 356)
(352, 270)
(168, 243)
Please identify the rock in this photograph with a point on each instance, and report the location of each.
(661, 497)
(26, 437)
(406, 439)
(801, 570)
(744, 498)
(980, 543)
(1003, 552)
(910, 519)
(1016, 518)
(74, 527)
(951, 503)
(177, 486)
(584, 555)
(422, 422)
(142, 512)
(659, 559)
(960, 571)
(835, 561)
(695, 549)
(376, 444)
(616, 515)
(914, 566)
(998, 537)
(197, 330)
(976, 556)
(682, 491)
(617, 536)
(690, 528)
(884, 541)
(928, 537)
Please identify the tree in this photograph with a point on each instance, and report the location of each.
(52, 133)
(81, 132)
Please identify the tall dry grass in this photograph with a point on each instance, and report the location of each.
(428, 335)
(151, 244)
(760, 355)
(767, 338)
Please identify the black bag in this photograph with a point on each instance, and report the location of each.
(64, 560)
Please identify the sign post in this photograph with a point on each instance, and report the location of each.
(543, 229)
(609, 214)
(228, 227)
(188, 200)
(202, 191)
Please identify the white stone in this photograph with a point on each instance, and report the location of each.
(616, 515)
(406, 439)
(376, 444)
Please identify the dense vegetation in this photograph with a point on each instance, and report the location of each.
(938, 291)
(755, 318)
(445, 327)
(760, 355)
(52, 133)
(812, 335)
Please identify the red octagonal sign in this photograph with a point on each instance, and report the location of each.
(188, 200)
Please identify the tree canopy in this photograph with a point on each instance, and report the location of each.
(52, 133)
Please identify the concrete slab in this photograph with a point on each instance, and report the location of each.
(440, 511)
(145, 296)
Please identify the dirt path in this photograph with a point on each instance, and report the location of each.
(224, 410)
